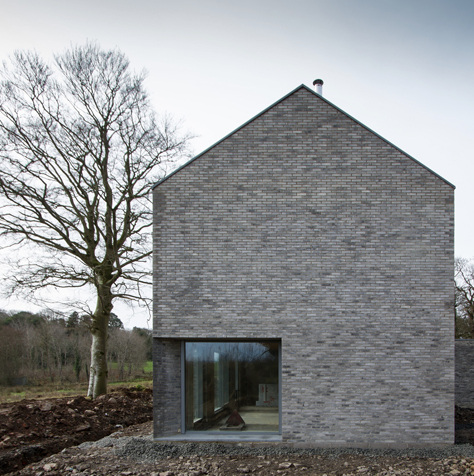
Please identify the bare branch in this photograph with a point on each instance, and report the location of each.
(80, 148)
(464, 298)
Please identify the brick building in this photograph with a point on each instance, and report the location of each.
(303, 271)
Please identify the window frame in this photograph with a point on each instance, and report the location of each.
(183, 388)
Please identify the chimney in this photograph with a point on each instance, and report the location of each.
(319, 86)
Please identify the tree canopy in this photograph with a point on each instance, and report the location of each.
(464, 294)
(80, 147)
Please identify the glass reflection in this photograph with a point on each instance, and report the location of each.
(232, 386)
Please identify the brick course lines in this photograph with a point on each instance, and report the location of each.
(306, 227)
(166, 386)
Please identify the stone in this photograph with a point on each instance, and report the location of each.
(83, 427)
(50, 466)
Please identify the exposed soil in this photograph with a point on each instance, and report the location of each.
(35, 429)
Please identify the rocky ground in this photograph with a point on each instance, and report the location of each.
(31, 430)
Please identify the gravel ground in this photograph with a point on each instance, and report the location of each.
(52, 428)
(133, 452)
(147, 451)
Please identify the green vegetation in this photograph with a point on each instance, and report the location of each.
(49, 390)
(50, 349)
(148, 368)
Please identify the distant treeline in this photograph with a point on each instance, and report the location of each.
(48, 346)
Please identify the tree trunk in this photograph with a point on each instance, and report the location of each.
(99, 329)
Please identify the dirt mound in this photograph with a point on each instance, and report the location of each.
(33, 429)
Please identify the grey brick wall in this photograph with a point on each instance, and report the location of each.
(305, 226)
(166, 387)
(465, 372)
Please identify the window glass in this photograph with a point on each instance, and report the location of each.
(232, 386)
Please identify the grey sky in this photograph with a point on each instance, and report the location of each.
(404, 68)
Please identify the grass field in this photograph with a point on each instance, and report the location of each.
(147, 368)
(15, 394)
(55, 390)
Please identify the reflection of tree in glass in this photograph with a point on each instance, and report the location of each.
(226, 376)
(232, 351)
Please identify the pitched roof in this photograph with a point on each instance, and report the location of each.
(302, 86)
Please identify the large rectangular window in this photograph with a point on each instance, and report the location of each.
(232, 386)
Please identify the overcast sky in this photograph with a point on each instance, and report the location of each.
(404, 68)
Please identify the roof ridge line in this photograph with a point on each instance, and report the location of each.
(228, 135)
(301, 86)
(379, 136)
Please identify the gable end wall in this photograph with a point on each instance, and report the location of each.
(306, 227)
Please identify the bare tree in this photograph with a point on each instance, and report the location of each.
(80, 148)
(11, 346)
(464, 293)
